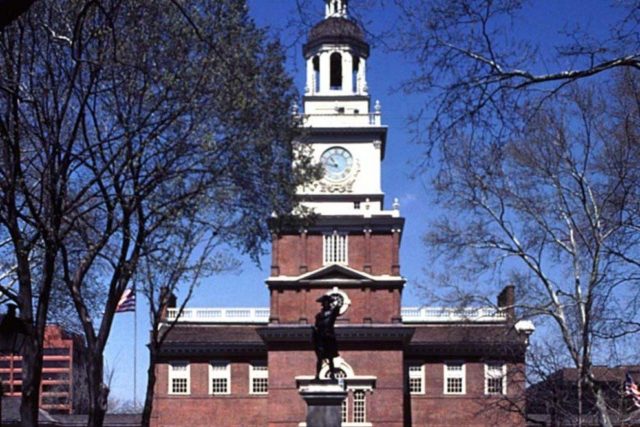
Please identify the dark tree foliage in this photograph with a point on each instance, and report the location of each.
(124, 124)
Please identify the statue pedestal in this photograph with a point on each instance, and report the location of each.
(324, 403)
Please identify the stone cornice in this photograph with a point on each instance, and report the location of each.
(344, 333)
(347, 223)
(277, 283)
(508, 350)
(169, 350)
(336, 275)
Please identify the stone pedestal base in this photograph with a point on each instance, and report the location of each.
(324, 403)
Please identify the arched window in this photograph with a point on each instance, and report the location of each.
(335, 81)
(354, 73)
(316, 73)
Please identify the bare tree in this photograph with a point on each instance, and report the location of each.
(186, 254)
(42, 105)
(480, 72)
(535, 168)
(122, 121)
(545, 208)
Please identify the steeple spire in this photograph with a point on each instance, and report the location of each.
(336, 8)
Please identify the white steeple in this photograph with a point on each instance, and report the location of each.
(336, 8)
(336, 54)
(342, 126)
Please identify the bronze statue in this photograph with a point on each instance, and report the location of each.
(324, 335)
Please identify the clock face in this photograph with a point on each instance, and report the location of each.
(337, 163)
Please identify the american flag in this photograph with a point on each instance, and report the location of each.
(631, 390)
(127, 301)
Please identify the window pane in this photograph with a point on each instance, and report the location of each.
(219, 385)
(359, 413)
(260, 385)
(454, 385)
(415, 385)
(179, 385)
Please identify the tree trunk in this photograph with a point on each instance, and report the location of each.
(31, 377)
(603, 412)
(98, 390)
(151, 382)
(601, 405)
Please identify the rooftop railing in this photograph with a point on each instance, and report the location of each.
(220, 315)
(409, 315)
(444, 314)
(342, 119)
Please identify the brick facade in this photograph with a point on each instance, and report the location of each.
(350, 248)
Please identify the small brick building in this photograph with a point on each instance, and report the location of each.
(401, 366)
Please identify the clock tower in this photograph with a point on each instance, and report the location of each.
(350, 250)
(341, 126)
(352, 246)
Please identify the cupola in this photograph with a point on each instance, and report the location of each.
(336, 53)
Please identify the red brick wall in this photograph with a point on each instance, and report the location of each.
(200, 409)
(368, 305)
(385, 405)
(291, 255)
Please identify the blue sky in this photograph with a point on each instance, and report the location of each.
(385, 70)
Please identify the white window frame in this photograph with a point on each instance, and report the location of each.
(454, 373)
(176, 374)
(416, 374)
(344, 410)
(258, 370)
(335, 248)
(364, 406)
(216, 373)
(490, 373)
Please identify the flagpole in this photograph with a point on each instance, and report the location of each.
(135, 361)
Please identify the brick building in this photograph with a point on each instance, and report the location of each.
(401, 366)
(63, 386)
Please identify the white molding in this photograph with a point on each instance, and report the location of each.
(258, 374)
(454, 374)
(178, 374)
(416, 375)
(220, 374)
(381, 278)
(488, 375)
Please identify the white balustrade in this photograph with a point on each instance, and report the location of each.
(342, 119)
(444, 314)
(220, 315)
(409, 315)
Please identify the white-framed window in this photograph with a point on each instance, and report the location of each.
(179, 377)
(454, 377)
(495, 378)
(335, 248)
(359, 406)
(259, 378)
(344, 411)
(416, 378)
(219, 377)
